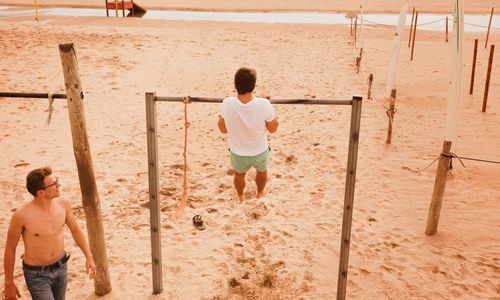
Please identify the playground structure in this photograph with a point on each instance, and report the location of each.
(154, 184)
(134, 9)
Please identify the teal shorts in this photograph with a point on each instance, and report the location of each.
(242, 164)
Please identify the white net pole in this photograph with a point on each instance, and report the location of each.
(396, 47)
(455, 87)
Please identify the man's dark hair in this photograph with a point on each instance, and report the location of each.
(244, 80)
(34, 179)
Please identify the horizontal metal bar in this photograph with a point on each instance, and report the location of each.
(273, 101)
(31, 95)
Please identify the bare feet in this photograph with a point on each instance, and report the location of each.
(241, 198)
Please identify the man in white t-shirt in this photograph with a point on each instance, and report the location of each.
(245, 119)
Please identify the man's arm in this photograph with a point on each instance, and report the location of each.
(272, 126)
(80, 240)
(9, 257)
(222, 125)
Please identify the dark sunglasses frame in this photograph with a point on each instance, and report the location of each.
(55, 183)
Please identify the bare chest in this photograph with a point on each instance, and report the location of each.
(45, 224)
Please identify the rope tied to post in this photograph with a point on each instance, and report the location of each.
(182, 203)
(51, 108)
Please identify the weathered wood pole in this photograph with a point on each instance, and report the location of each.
(447, 29)
(488, 76)
(414, 34)
(473, 73)
(355, 30)
(439, 187)
(390, 113)
(370, 83)
(489, 26)
(107, 11)
(411, 26)
(83, 157)
(352, 158)
(116, 8)
(154, 192)
(358, 60)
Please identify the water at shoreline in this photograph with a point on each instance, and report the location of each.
(432, 22)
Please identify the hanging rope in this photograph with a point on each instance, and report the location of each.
(182, 203)
(51, 108)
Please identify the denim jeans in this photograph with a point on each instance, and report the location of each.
(47, 284)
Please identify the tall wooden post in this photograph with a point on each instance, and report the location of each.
(355, 30)
(154, 192)
(352, 158)
(473, 73)
(489, 26)
(414, 34)
(488, 76)
(83, 157)
(370, 83)
(447, 29)
(411, 27)
(106, 4)
(439, 187)
(358, 60)
(390, 113)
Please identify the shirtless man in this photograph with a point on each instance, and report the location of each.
(246, 119)
(40, 222)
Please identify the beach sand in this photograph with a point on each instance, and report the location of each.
(287, 245)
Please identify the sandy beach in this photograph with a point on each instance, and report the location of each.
(286, 246)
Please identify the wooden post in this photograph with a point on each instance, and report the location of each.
(355, 30)
(107, 11)
(489, 26)
(116, 8)
(488, 76)
(411, 27)
(154, 195)
(414, 34)
(83, 157)
(390, 113)
(439, 187)
(123, 8)
(447, 29)
(352, 157)
(358, 60)
(351, 26)
(370, 82)
(473, 73)
(36, 11)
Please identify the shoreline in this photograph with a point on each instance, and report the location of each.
(334, 8)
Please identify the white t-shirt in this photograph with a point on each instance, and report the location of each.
(246, 124)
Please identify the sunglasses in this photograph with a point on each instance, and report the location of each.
(55, 183)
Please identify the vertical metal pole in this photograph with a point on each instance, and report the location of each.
(414, 34)
(411, 27)
(488, 76)
(473, 68)
(489, 26)
(349, 196)
(154, 205)
(107, 11)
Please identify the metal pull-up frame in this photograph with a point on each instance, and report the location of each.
(154, 207)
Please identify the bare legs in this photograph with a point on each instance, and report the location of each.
(261, 180)
(239, 184)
